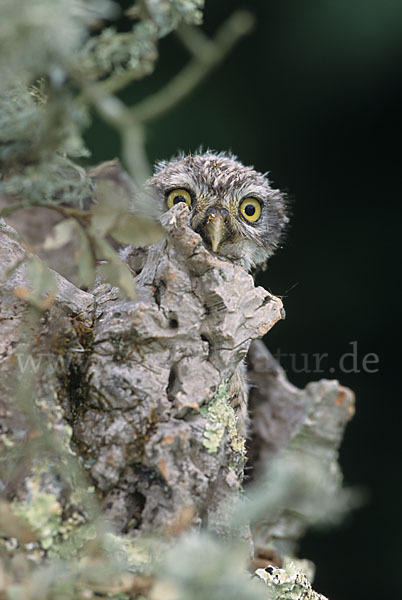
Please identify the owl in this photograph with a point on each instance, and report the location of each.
(239, 216)
(233, 207)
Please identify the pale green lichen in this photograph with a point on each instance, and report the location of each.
(221, 416)
(289, 583)
(135, 51)
(59, 535)
(41, 38)
(43, 513)
(136, 554)
(72, 538)
(168, 14)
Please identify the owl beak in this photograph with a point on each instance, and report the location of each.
(216, 229)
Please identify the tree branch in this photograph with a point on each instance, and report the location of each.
(129, 122)
(208, 54)
(149, 391)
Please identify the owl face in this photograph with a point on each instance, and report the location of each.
(234, 209)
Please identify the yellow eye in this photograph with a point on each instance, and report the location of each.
(177, 196)
(250, 208)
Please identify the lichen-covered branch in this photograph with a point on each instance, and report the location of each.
(207, 55)
(130, 122)
(135, 393)
(293, 449)
(157, 369)
(147, 395)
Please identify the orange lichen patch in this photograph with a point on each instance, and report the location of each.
(181, 520)
(24, 294)
(168, 440)
(21, 292)
(163, 469)
(137, 320)
(265, 557)
(194, 405)
(341, 397)
(347, 397)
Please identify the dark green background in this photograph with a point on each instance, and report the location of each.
(314, 95)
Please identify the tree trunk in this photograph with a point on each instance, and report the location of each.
(151, 394)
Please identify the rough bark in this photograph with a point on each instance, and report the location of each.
(152, 392)
(300, 431)
(155, 365)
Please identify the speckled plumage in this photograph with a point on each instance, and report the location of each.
(217, 184)
(220, 180)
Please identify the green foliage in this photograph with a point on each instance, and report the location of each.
(85, 257)
(202, 567)
(110, 218)
(39, 47)
(299, 485)
(41, 38)
(45, 47)
(42, 280)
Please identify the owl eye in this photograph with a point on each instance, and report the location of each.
(250, 209)
(179, 195)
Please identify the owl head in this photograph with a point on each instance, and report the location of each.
(233, 207)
